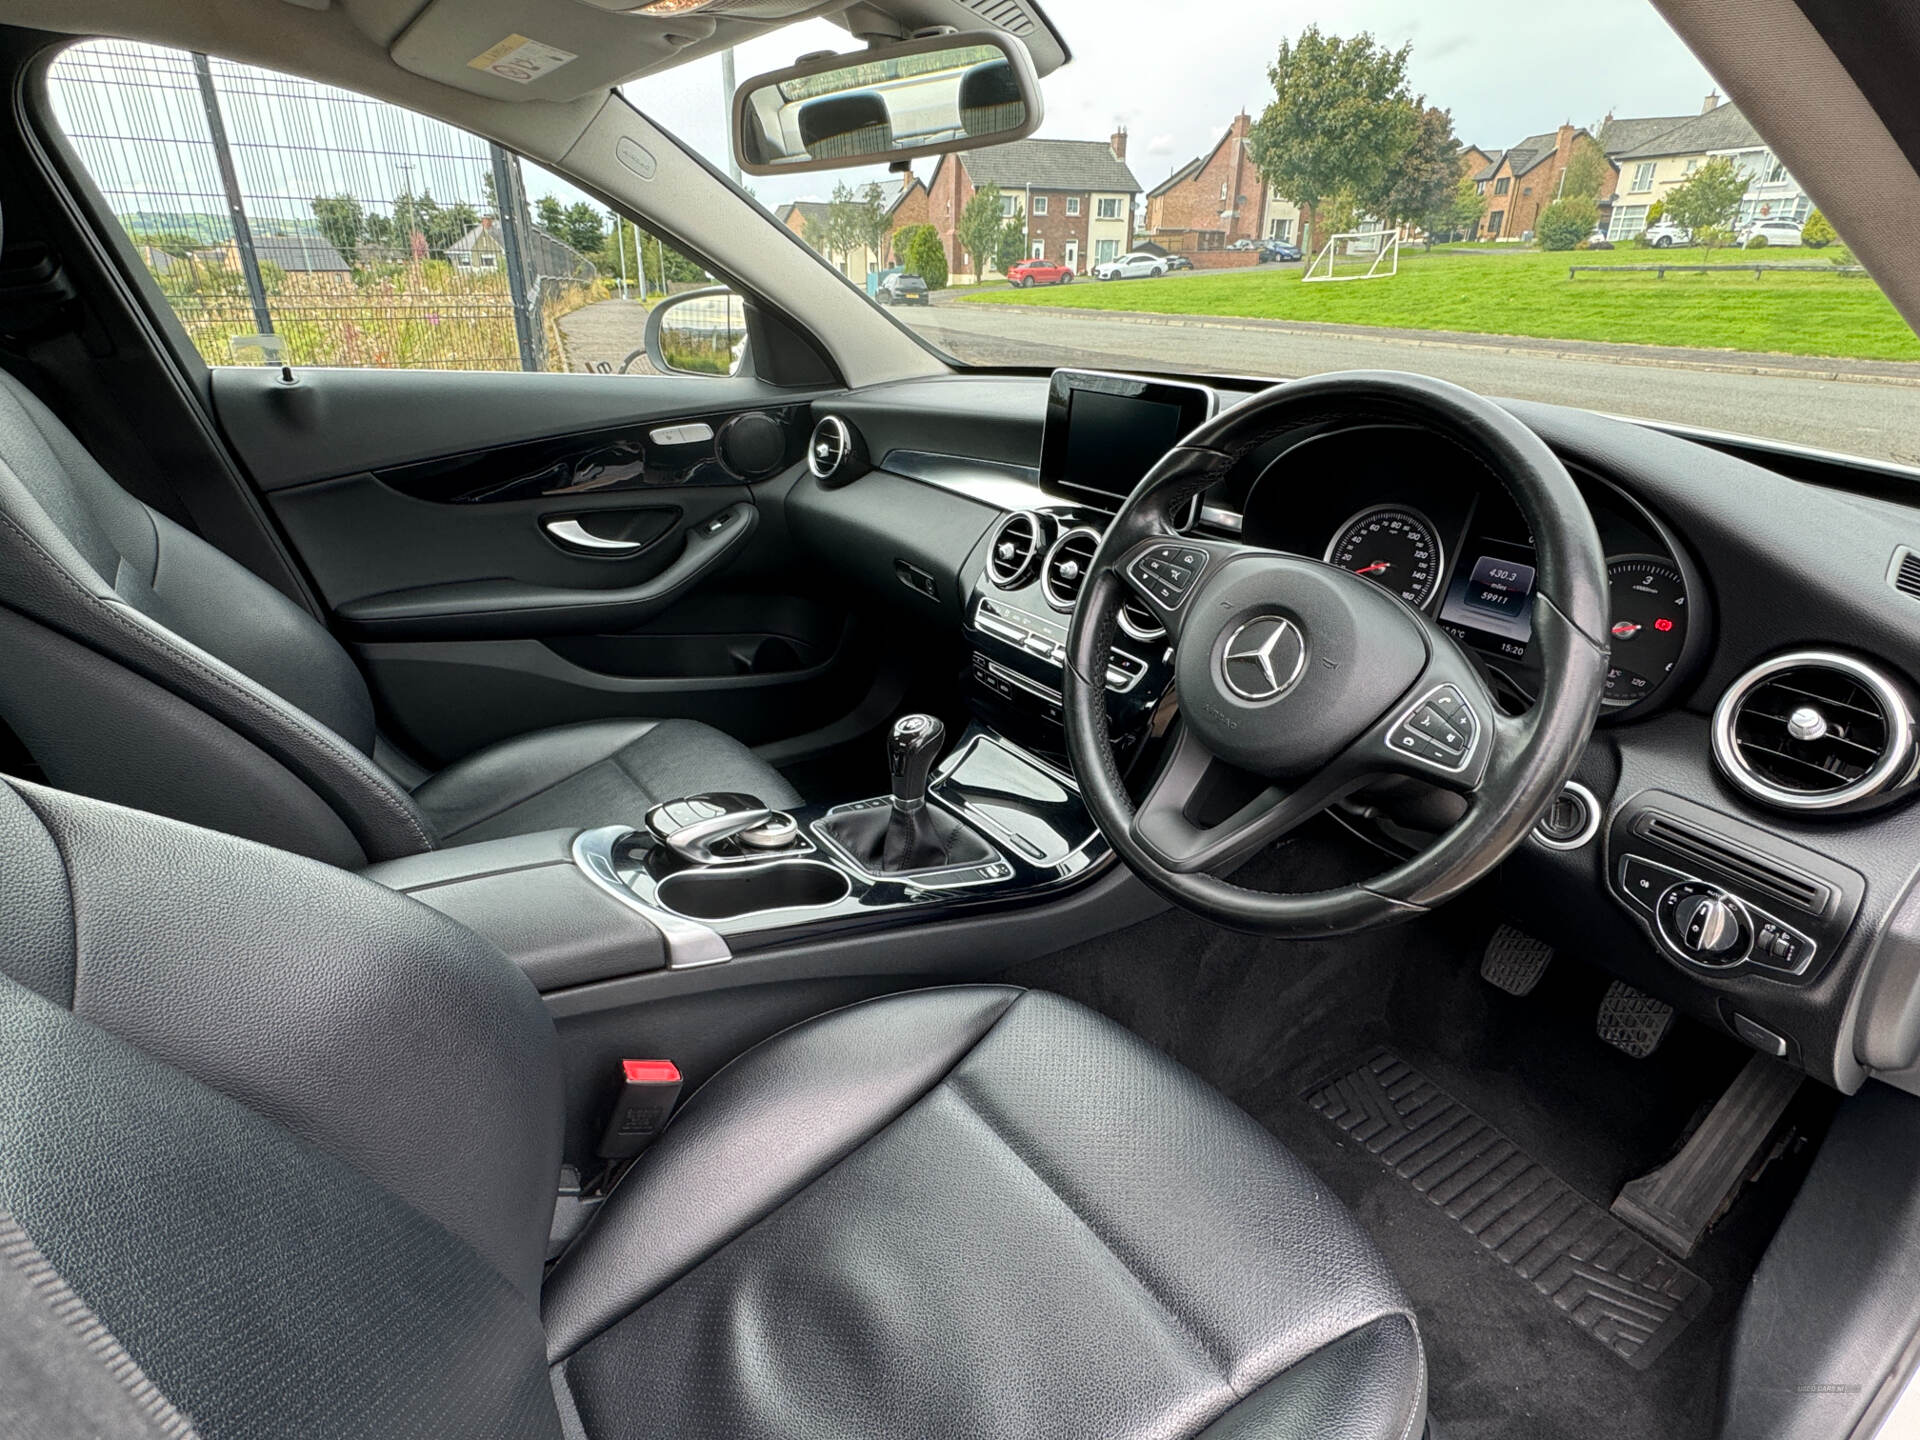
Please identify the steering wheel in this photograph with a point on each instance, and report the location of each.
(1299, 682)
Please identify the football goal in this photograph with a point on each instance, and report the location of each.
(1357, 255)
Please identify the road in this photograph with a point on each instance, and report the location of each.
(1861, 408)
(1874, 412)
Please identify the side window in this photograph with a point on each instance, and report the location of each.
(289, 222)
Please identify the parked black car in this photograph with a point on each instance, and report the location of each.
(1178, 262)
(1275, 250)
(902, 290)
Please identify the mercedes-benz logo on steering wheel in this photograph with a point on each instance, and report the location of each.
(1263, 657)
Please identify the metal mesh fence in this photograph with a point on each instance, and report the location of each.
(292, 221)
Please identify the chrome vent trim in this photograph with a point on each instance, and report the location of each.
(1862, 745)
(1139, 622)
(828, 447)
(1073, 554)
(1015, 547)
(1904, 573)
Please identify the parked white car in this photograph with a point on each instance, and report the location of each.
(1665, 235)
(1131, 266)
(1778, 232)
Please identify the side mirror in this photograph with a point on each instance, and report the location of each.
(891, 102)
(700, 332)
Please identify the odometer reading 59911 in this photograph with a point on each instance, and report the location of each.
(1394, 547)
(1648, 626)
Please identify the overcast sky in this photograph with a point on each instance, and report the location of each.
(1506, 69)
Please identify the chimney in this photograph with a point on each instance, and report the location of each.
(1711, 103)
(1118, 143)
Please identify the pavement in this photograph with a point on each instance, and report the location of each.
(1858, 407)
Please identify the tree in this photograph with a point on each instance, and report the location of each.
(927, 257)
(1817, 231)
(1427, 173)
(1655, 213)
(1464, 209)
(551, 216)
(447, 224)
(979, 229)
(864, 217)
(1707, 201)
(1565, 223)
(1340, 120)
(584, 227)
(1010, 246)
(1586, 172)
(342, 222)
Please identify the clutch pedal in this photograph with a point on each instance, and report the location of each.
(1515, 961)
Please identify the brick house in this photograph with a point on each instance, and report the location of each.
(1076, 197)
(1212, 200)
(903, 201)
(1525, 179)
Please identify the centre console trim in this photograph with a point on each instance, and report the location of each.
(689, 943)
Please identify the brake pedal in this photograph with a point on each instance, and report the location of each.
(1632, 1021)
(1515, 961)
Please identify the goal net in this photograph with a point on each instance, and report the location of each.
(1357, 255)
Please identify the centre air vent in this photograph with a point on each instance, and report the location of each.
(835, 454)
(1066, 565)
(1814, 731)
(1013, 554)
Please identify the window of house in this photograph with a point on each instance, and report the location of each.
(1627, 221)
(1109, 208)
(1493, 222)
(356, 233)
(1693, 165)
(1502, 185)
(1039, 204)
(1039, 249)
(1007, 203)
(1073, 205)
(1642, 178)
(1277, 229)
(1105, 250)
(1776, 173)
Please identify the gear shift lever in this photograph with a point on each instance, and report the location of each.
(907, 835)
(912, 748)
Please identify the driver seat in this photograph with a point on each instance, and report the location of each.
(278, 1152)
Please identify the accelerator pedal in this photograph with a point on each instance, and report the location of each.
(1674, 1205)
(1632, 1021)
(1515, 961)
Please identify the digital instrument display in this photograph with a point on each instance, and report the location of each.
(1490, 601)
(1105, 432)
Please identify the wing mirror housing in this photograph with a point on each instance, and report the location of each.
(887, 103)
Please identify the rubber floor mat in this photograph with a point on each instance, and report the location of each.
(1611, 1282)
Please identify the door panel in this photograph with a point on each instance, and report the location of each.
(498, 573)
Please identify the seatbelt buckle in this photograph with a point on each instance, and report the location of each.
(648, 1090)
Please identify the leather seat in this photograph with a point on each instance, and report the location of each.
(146, 667)
(277, 1157)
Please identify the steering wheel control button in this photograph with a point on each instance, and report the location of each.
(1439, 729)
(1263, 657)
(1167, 572)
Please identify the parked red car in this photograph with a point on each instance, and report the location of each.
(1038, 272)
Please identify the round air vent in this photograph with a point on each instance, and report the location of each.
(1013, 554)
(1140, 622)
(835, 453)
(1065, 568)
(1814, 731)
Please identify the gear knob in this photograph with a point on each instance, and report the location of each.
(912, 747)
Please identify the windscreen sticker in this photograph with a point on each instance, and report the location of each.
(521, 60)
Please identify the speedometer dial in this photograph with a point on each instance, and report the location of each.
(1649, 625)
(1394, 547)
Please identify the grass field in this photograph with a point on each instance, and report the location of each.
(1528, 293)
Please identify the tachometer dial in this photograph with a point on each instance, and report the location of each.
(1395, 548)
(1649, 625)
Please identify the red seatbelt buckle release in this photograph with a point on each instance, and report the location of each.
(648, 1089)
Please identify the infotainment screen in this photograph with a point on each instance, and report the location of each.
(1104, 432)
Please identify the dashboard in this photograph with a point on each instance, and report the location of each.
(1739, 838)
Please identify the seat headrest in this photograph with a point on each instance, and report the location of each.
(990, 100)
(846, 127)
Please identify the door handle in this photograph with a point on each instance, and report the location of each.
(572, 533)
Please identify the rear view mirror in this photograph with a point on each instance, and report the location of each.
(892, 102)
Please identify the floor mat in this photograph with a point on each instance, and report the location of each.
(1617, 1286)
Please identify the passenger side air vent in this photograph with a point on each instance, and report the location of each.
(1013, 554)
(1904, 575)
(835, 453)
(1814, 731)
(1734, 862)
(1065, 569)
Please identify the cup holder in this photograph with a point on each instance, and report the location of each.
(726, 894)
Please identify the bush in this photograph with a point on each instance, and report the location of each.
(1757, 242)
(927, 258)
(1565, 223)
(1654, 213)
(1817, 232)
